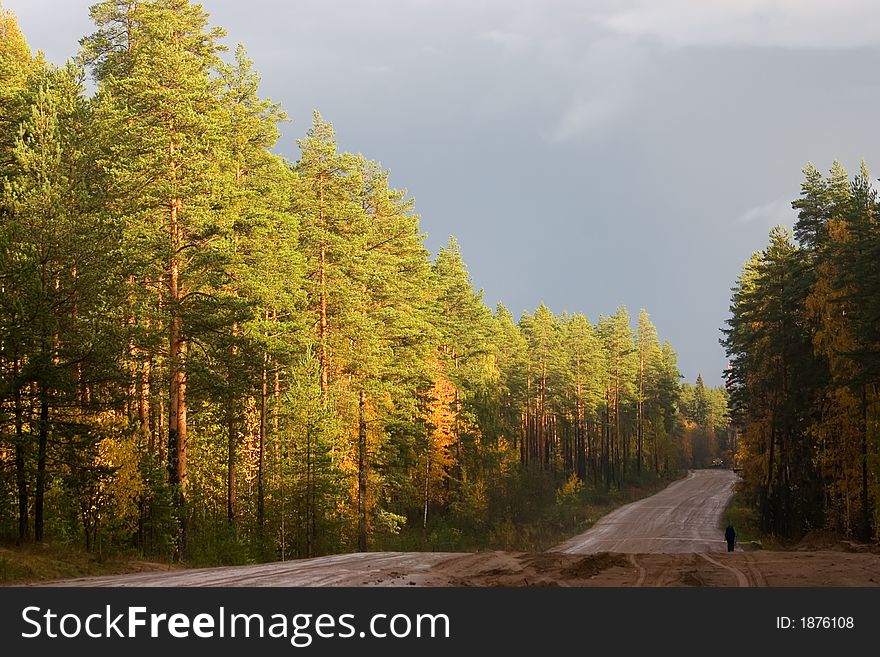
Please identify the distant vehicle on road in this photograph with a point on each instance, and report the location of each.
(718, 463)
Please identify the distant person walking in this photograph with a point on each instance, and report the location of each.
(730, 537)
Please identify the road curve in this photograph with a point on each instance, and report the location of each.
(684, 517)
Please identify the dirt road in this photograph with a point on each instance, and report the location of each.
(670, 539)
(514, 569)
(359, 569)
(683, 517)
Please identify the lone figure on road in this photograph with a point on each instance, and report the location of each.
(730, 537)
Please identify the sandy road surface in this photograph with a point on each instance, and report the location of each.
(683, 517)
(360, 569)
(515, 569)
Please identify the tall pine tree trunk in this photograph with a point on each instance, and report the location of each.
(591, 451)
(654, 450)
(264, 418)
(527, 421)
(542, 428)
(322, 284)
(362, 472)
(144, 404)
(161, 439)
(276, 388)
(177, 388)
(20, 472)
(231, 431)
(427, 489)
(768, 510)
(310, 496)
(617, 434)
(606, 441)
(43, 439)
(580, 446)
(866, 529)
(232, 438)
(641, 411)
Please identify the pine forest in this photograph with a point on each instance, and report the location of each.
(211, 354)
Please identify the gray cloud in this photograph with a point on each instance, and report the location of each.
(765, 23)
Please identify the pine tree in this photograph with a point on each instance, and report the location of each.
(587, 368)
(155, 63)
(668, 401)
(464, 326)
(543, 334)
(768, 339)
(622, 359)
(57, 247)
(16, 66)
(511, 354)
(262, 260)
(648, 351)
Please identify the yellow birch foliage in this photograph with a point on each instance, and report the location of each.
(441, 438)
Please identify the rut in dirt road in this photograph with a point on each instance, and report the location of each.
(684, 517)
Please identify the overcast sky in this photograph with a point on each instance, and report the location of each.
(586, 154)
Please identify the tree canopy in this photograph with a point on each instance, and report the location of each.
(210, 352)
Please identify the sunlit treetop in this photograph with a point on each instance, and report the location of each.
(15, 54)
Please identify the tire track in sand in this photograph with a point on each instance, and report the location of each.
(640, 580)
(757, 575)
(741, 579)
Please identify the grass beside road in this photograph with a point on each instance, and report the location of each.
(744, 517)
(747, 523)
(533, 524)
(40, 563)
(539, 520)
